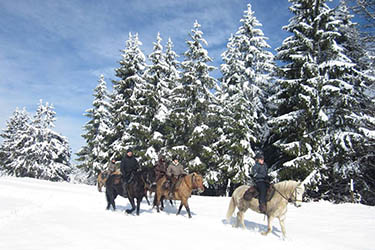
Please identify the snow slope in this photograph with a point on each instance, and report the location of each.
(37, 214)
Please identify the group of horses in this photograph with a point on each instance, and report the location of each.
(143, 181)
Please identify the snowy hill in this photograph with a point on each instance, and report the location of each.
(37, 214)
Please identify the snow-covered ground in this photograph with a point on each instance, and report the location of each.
(37, 214)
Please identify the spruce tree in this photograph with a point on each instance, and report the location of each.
(161, 75)
(37, 151)
(16, 126)
(96, 153)
(192, 114)
(246, 81)
(320, 99)
(128, 95)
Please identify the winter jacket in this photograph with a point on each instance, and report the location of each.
(161, 167)
(128, 166)
(175, 170)
(260, 172)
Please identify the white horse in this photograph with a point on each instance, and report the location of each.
(276, 207)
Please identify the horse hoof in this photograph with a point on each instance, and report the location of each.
(129, 211)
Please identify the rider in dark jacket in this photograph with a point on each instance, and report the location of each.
(129, 165)
(260, 175)
(160, 168)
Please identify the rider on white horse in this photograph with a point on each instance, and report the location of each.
(259, 172)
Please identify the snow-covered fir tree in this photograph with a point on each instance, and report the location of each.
(192, 115)
(16, 126)
(162, 75)
(39, 151)
(320, 97)
(95, 155)
(173, 76)
(246, 80)
(173, 73)
(129, 94)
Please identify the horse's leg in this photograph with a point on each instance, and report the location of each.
(186, 205)
(132, 203)
(269, 228)
(162, 203)
(157, 201)
(282, 225)
(179, 209)
(188, 209)
(148, 202)
(138, 204)
(109, 200)
(113, 201)
(240, 219)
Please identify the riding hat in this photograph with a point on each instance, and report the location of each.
(259, 155)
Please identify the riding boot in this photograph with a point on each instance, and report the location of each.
(263, 208)
(172, 187)
(171, 191)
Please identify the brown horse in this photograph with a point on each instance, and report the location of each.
(182, 192)
(103, 176)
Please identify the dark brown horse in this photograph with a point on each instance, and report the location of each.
(136, 189)
(182, 191)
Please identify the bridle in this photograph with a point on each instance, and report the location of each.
(293, 195)
(194, 185)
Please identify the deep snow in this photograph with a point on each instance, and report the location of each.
(36, 214)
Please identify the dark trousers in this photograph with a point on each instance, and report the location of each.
(262, 187)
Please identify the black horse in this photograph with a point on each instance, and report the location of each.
(136, 189)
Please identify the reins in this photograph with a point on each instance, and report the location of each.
(192, 182)
(289, 199)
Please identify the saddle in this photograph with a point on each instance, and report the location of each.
(167, 184)
(252, 192)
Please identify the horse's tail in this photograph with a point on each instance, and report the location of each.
(231, 208)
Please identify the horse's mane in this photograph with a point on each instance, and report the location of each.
(287, 186)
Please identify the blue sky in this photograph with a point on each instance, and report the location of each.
(56, 50)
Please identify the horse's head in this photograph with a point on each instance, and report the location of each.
(197, 181)
(298, 194)
(105, 174)
(148, 177)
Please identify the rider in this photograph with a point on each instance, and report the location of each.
(111, 166)
(160, 168)
(129, 166)
(174, 171)
(259, 172)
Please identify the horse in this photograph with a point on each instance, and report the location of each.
(103, 176)
(285, 191)
(136, 189)
(182, 191)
